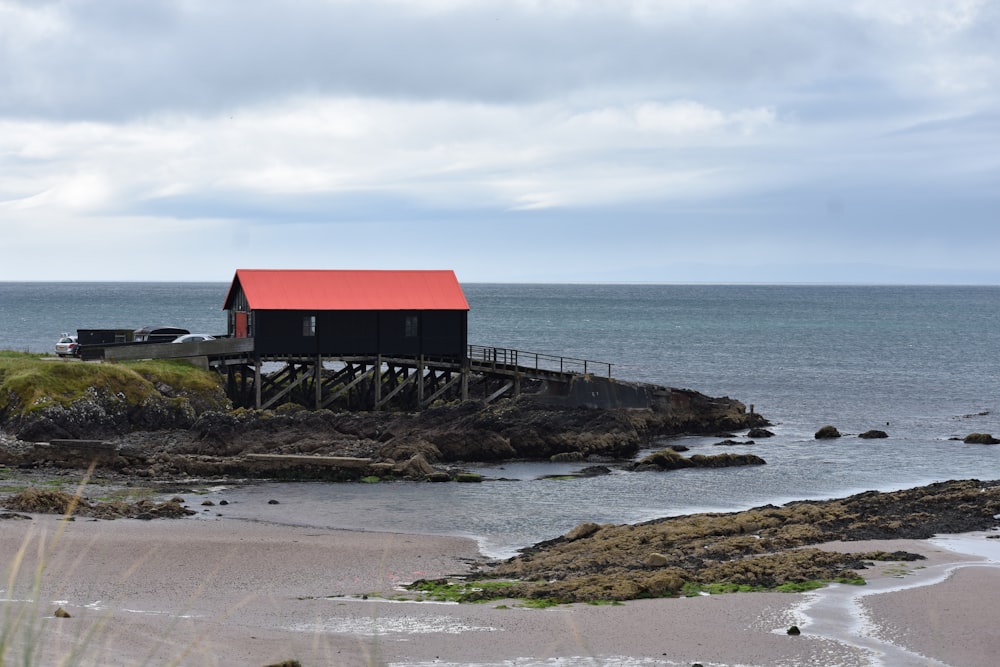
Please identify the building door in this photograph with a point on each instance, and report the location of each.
(241, 325)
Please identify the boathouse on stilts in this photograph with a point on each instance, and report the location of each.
(359, 338)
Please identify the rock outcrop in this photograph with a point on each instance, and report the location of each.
(827, 433)
(170, 437)
(668, 459)
(762, 548)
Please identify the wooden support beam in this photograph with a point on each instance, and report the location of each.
(451, 383)
(498, 393)
(295, 382)
(257, 381)
(318, 381)
(420, 383)
(346, 388)
(399, 387)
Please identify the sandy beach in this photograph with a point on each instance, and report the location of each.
(230, 592)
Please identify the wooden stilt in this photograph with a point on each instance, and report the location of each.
(258, 380)
(318, 381)
(420, 380)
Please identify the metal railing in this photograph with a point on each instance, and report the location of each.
(504, 357)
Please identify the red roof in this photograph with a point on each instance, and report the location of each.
(275, 289)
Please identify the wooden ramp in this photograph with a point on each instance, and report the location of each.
(217, 350)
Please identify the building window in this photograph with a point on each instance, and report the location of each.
(309, 325)
(412, 330)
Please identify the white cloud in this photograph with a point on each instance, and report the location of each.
(512, 157)
(745, 117)
(933, 18)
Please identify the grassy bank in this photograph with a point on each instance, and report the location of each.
(32, 382)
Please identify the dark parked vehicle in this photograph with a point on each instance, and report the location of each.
(158, 334)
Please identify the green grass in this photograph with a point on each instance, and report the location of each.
(898, 572)
(539, 603)
(180, 375)
(32, 382)
(440, 590)
(692, 589)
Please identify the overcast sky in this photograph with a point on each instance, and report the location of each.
(829, 141)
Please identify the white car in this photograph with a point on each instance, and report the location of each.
(191, 338)
(67, 346)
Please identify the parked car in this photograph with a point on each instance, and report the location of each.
(67, 346)
(191, 338)
(157, 334)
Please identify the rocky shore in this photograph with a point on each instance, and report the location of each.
(431, 444)
(767, 548)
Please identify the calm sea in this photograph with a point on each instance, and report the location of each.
(920, 363)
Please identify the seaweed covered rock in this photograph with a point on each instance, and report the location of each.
(665, 459)
(761, 548)
(725, 460)
(980, 439)
(668, 459)
(536, 427)
(827, 433)
(583, 530)
(51, 501)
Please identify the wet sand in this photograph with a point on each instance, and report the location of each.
(232, 592)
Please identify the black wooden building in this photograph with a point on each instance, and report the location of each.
(349, 312)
